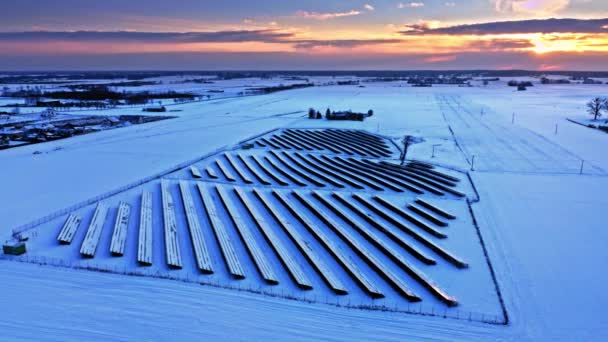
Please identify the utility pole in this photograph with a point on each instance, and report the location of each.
(513, 119)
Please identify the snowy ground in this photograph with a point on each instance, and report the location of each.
(451, 260)
(538, 217)
(214, 89)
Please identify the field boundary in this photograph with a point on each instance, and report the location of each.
(486, 255)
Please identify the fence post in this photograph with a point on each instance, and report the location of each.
(434, 146)
(473, 163)
(582, 164)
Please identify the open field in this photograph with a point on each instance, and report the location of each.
(534, 215)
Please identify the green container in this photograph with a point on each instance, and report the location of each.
(14, 249)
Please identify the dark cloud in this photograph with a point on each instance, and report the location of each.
(499, 44)
(148, 37)
(306, 44)
(268, 36)
(521, 26)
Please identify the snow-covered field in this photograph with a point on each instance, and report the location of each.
(539, 217)
(373, 237)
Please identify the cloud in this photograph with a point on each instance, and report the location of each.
(446, 41)
(326, 16)
(369, 7)
(343, 43)
(421, 27)
(549, 67)
(513, 27)
(148, 37)
(450, 4)
(530, 6)
(412, 4)
(439, 59)
(496, 45)
(126, 38)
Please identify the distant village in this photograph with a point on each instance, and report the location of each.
(91, 96)
(50, 125)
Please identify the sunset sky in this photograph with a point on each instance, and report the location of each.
(310, 35)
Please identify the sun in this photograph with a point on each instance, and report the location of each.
(569, 42)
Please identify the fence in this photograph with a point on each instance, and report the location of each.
(64, 211)
(20, 229)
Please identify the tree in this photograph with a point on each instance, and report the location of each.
(311, 113)
(327, 113)
(595, 106)
(406, 144)
(370, 112)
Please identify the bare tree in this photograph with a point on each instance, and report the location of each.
(406, 144)
(595, 107)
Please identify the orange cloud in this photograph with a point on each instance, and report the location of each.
(549, 67)
(439, 59)
(94, 48)
(428, 38)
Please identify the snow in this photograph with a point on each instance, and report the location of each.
(540, 108)
(551, 261)
(473, 288)
(541, 221)
(163, 310)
